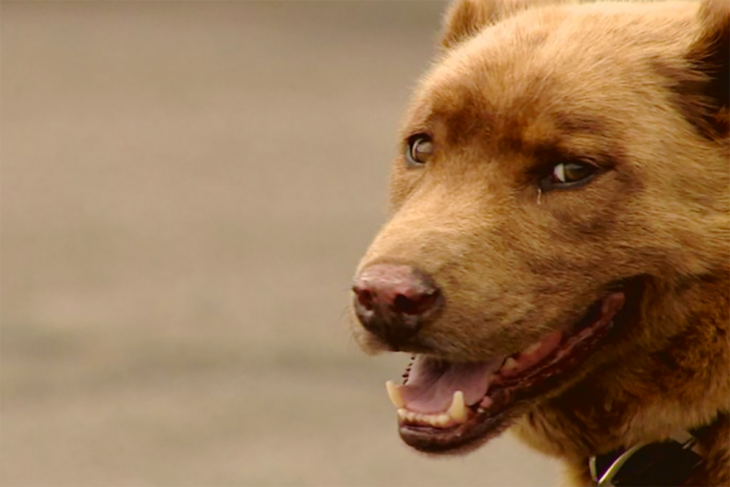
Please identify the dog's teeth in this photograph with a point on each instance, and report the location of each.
(457, 413)
(457, 410)
(485, 403)
(532, 348)
(509, 364)
(394, 394)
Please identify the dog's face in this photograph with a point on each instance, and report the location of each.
(555, 163)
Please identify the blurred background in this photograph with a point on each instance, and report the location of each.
(186, 190)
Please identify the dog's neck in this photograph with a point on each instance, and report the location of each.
(672, 462)
(651, 394)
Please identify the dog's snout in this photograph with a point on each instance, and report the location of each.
(394, 301)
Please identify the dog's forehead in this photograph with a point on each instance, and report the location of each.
(542, 72)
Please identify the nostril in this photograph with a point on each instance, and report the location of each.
(416, 305)
(364, 297)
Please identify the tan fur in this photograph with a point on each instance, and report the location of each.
(465, 19)
(634, 87)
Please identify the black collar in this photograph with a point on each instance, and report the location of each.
(650, 464)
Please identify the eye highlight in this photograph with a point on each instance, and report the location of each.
(419, 149)
(569, 174)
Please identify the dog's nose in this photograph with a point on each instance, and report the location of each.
(394, 301)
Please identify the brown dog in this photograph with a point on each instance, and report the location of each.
(558, 257)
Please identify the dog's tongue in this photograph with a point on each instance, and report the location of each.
(431, 383)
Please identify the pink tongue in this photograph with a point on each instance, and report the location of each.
(431, 384)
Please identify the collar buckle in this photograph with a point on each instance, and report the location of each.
(648, 464)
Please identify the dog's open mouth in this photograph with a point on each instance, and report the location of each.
(444, 406)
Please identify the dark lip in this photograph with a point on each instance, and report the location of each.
(512, 397)
(479, 428)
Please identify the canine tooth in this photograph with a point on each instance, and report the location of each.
(509, 364)
(402, 413)
(457, 410)
(394, 394)
(532, 348)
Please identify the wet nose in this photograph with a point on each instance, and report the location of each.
(394, 301)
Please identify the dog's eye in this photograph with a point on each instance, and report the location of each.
(420, 149)
(567, 174)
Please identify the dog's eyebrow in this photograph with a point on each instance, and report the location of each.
(571, 122)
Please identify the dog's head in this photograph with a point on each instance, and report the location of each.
(557, 163)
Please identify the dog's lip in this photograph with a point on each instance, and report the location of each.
(478, 428)
(512, 396)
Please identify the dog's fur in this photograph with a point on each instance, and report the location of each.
(640, 89)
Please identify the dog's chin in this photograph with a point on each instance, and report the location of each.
(453, 407)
